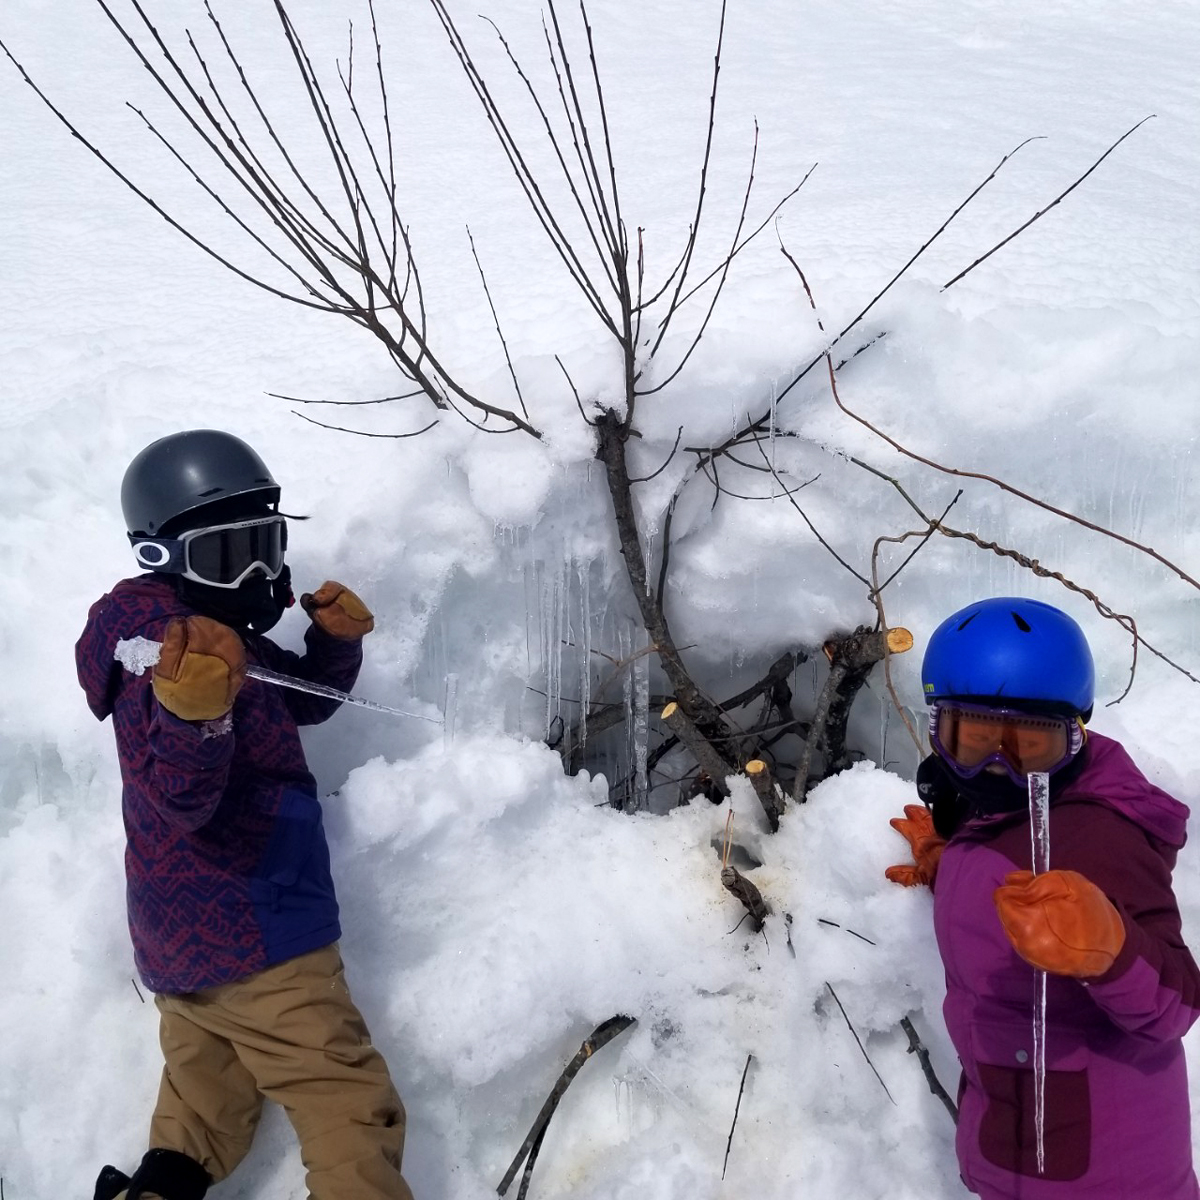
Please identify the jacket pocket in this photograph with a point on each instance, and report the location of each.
(291, 842)
(292, 890)
(1003, 1053)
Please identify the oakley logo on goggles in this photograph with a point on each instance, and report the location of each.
(218, 555)
(971, 737)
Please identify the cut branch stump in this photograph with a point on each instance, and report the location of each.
(850, 661)
(769, 793)
(711, 763)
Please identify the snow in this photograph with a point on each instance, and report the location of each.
(495, 909)
(135, 654)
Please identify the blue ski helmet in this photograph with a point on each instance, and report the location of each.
(1013, 650)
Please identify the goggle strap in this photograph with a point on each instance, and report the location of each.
(159, 554)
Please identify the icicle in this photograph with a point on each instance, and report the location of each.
(450, 709)
(640, 732)
(771, 434)
(558, 635)
(626, 767)
(1039, 820)
(525, 573)
(585, 648)
(139, 653)
(1039, 835)
(541, 588)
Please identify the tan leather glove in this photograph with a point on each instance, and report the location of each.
(338, 611)
(1061, 922)
(200, 669)
(925, 842)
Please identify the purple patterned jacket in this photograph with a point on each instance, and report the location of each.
(1117, 1123)
(226, 861)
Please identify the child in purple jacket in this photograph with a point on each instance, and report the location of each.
(231, 905)
(1010, 685)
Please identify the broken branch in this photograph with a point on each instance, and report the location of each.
(596, 1040)
(935, 1084)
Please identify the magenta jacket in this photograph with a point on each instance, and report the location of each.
(226, 862)
(1117, 1119)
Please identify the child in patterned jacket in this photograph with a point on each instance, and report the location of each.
(230, 901)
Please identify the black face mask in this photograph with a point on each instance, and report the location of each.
(953, 799)
(255, 606)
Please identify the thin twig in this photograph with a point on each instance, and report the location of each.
(525, 177)
(1058, 199)
(666, 463)
(876, 596)
(759, 424)
(499, 332)
(1126, 621)
(736, 1110)
(346, 403)
(805, 518)
(850, 1026)
(1000, 483)
(364, 432)
(847, 929)
(724, 276)
(673, 307)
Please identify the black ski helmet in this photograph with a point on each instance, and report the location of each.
(185, 471)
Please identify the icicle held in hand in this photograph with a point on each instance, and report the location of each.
(139, 653)
(1039, 821)
(1039, 836)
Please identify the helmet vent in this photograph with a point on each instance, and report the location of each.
(1022, 624)
(212, 491)
(967, 621)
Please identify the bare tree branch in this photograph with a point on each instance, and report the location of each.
(1042, 212)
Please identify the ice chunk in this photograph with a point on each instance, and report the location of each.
(136, 654)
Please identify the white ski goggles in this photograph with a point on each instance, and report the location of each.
(221, 556)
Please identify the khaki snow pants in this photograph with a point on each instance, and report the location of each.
(290, 1033)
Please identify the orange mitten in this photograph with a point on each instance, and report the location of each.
(338, 611)
(1060, 922)
(200, 669)
(926, 844)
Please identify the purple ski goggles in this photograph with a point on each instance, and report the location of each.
(970, 737)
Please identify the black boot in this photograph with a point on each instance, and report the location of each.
(169, 1174)
(110, 1183)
